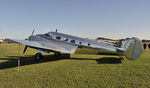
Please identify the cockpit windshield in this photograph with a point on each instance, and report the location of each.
(49, 34)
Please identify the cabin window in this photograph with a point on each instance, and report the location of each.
(65, 39)
(59, 38)
(80, 42)
(72, 41)
(89, 44)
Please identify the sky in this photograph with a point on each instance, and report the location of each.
(113, 19)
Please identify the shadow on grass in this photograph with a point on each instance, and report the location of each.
(104, 60)
(28, 60)
(107, 53)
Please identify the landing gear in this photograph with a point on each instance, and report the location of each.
(57, 54)
(67, 56)
(38, 56)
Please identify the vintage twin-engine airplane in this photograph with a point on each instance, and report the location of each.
(59, 43)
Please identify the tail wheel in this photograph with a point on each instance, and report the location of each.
(121, 59)
(38, 56)
(57, 54)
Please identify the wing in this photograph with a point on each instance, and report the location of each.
(49, 45)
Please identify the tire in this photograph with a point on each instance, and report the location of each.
(67, 56)
(38, 56)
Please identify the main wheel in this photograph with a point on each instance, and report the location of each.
(57, 54)
(67, 56)
(38, 56)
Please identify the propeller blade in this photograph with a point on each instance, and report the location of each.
(25, 49)
(33, 32)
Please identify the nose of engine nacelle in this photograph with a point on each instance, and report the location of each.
(32, 38)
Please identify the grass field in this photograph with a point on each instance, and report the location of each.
(78, 71)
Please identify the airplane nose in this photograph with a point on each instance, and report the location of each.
(31, 38)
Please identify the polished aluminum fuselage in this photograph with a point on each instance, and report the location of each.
(131, 48)
(71, 40)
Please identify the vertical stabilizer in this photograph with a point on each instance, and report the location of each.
(131, 48)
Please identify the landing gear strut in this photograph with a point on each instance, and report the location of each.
(38, 56)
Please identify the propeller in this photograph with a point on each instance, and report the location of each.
(32, 32)
(26, 45)
(25, 49)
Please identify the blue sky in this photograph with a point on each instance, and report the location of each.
(86, 18)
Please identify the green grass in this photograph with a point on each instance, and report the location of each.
(80, 71)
